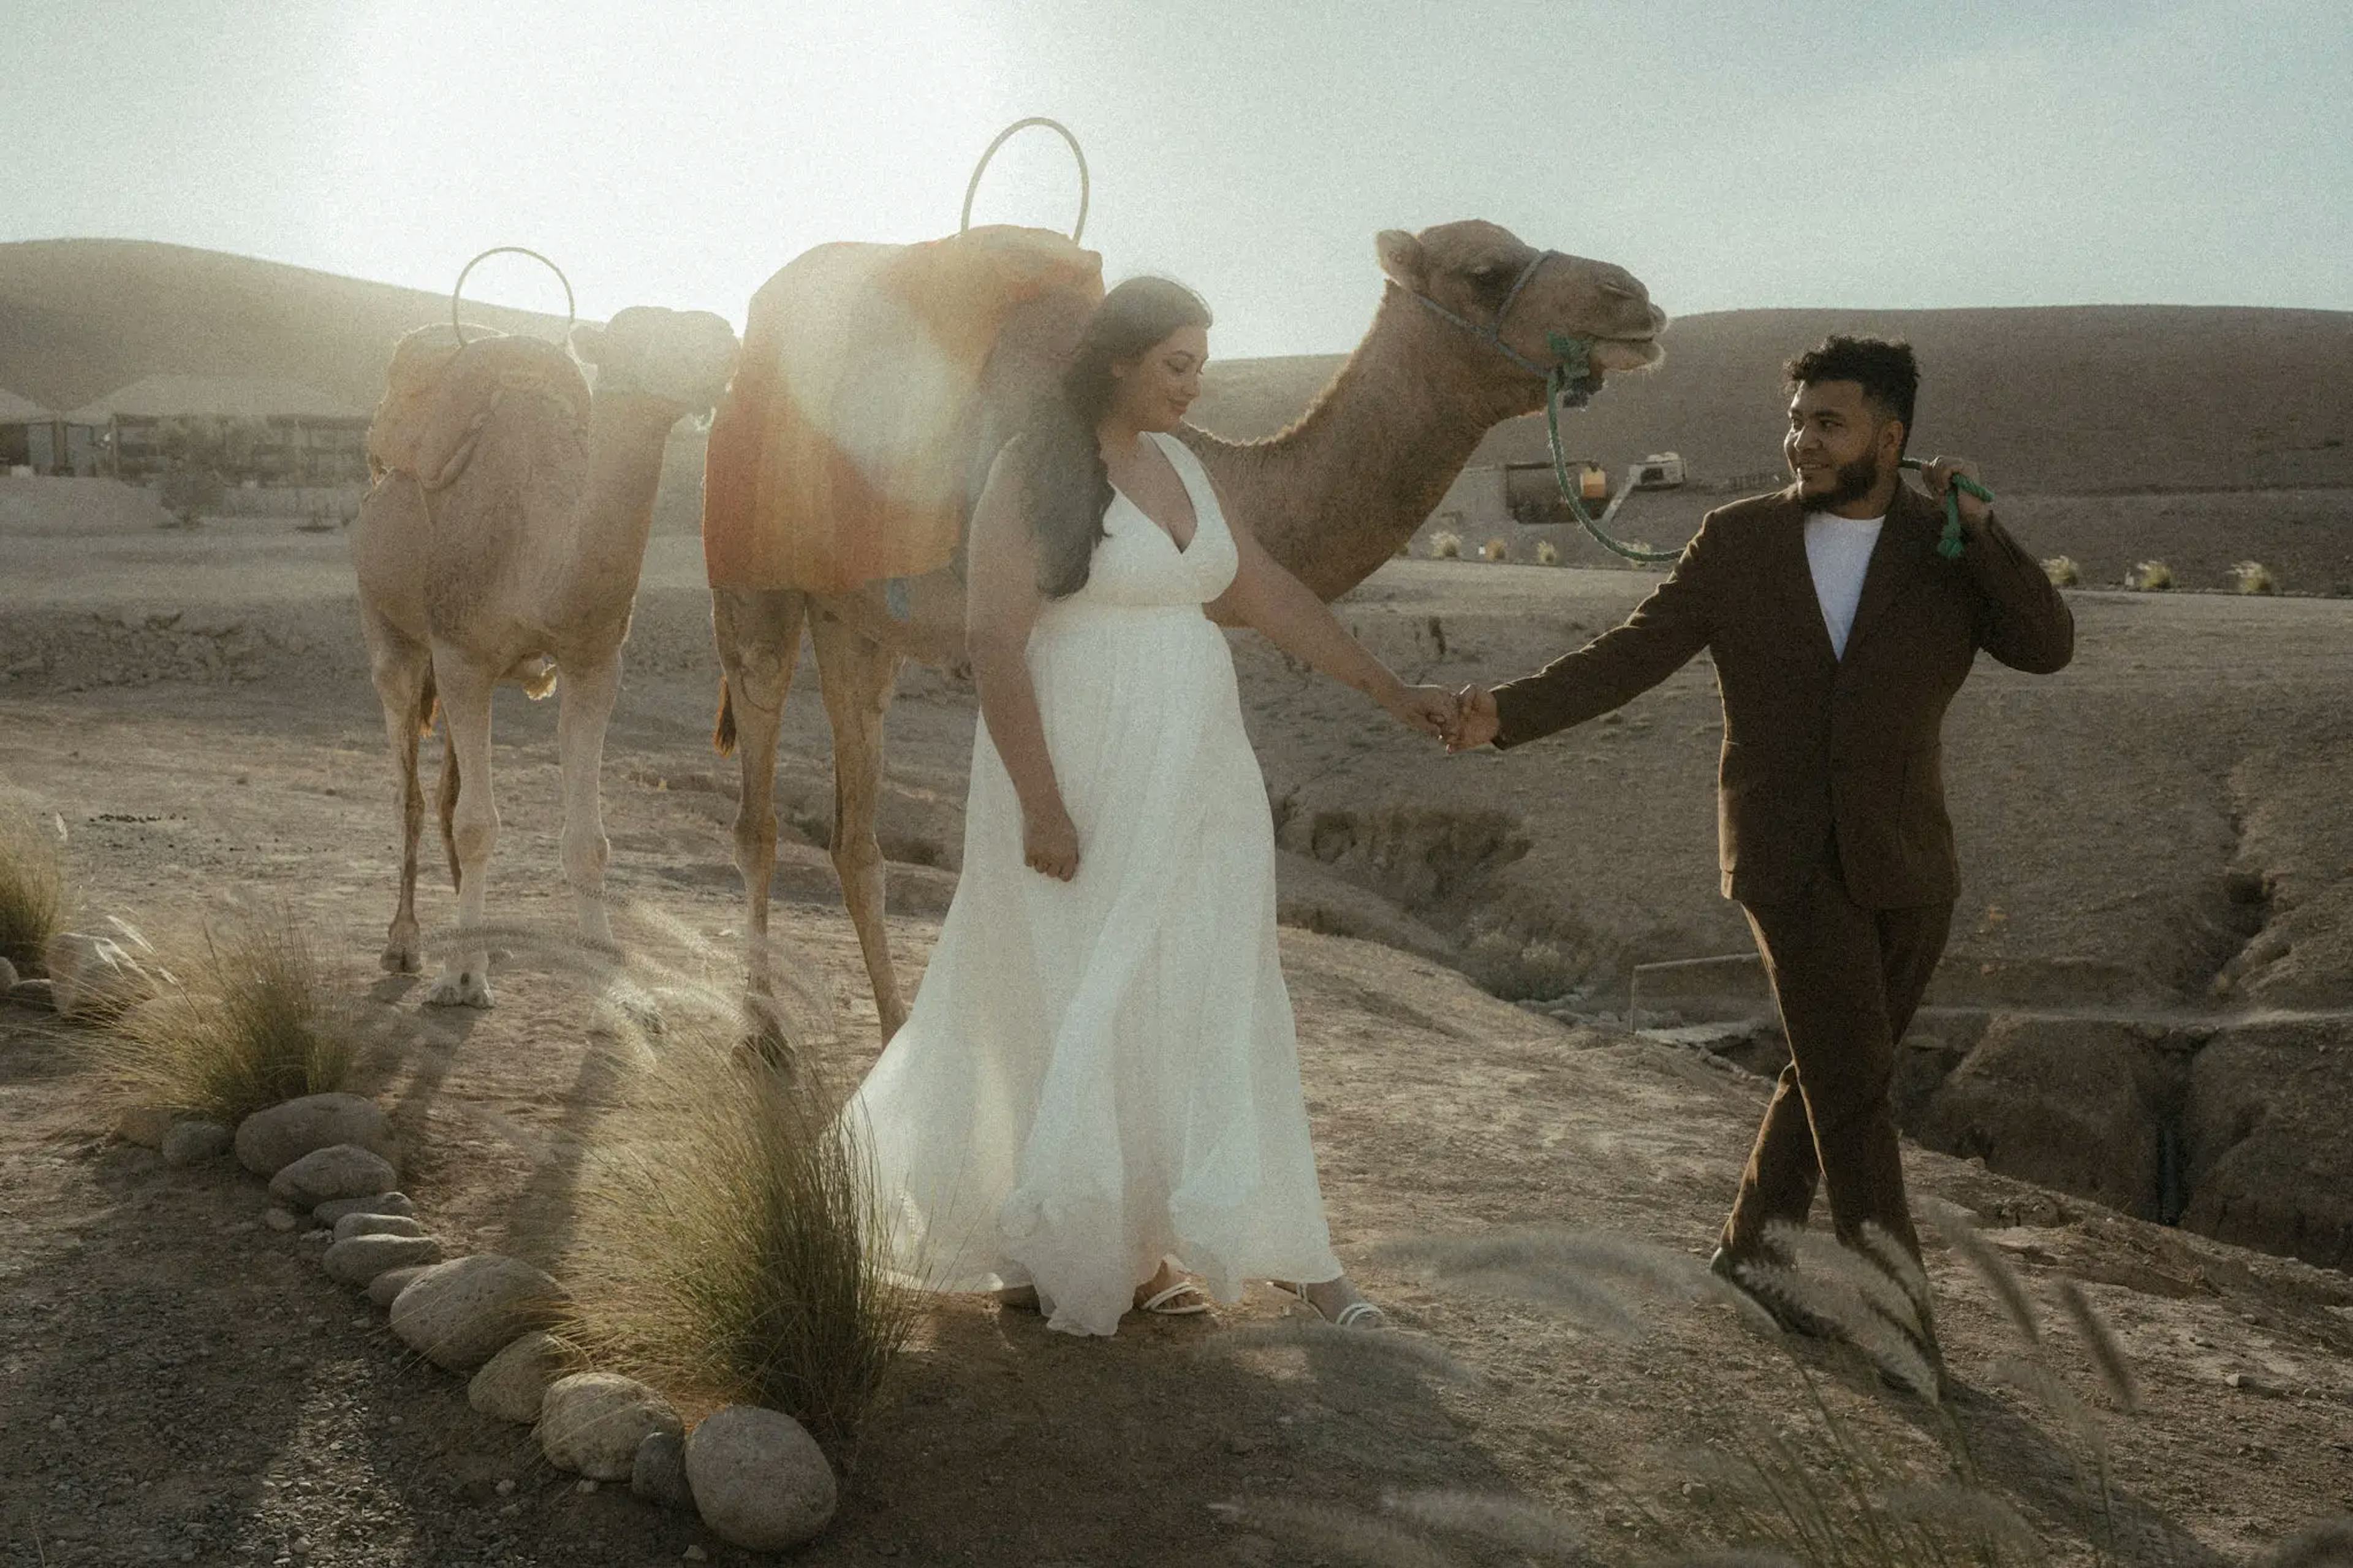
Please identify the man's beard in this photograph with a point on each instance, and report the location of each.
(1853, 482)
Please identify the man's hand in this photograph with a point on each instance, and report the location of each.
(1479, 722)
(1429, 708)
(1049, 841)
(1939, 473)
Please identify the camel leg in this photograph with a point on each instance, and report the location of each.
(859, 676)
(465, 979)
(403, 683)
(586, 697)
(759, 637)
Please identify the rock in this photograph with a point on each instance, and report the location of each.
(2268, 1130)
(2061, 1103)
(592, 1421)
(386, 1287)
(352, 1224)
(38, 993)
(194, 1142)
(145, 1125)
(269, 1140)
(512, 1383)
(460, 1314)
(357, 1259)
(758, 1478)
(8, 977)
(98, 977)
(279, 1219)
(381, 1204)
(344, 1171)
(657, 1475)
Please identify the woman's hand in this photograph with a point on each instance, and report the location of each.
(1433, 709)
(1049, 841)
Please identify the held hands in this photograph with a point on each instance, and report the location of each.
(1478, 721)
(1429, 708)
(1938, 472)
(1049, 841)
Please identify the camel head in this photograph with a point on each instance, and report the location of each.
(1468, 270)
(681, 359)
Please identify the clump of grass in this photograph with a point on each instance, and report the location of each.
(32, 889)
(2254, 577)
(249, 1019)
(731, 1246)
(2062, 572)
(1445, 546)
(2149, 577)
(1496, 549)
(1547, 552)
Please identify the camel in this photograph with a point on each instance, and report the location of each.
(503, 543)
(1332, 498)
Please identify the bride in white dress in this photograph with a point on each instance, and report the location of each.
(1096, 1094)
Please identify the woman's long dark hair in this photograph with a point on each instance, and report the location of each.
(1066, 486)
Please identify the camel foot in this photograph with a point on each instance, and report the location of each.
(765, 1040)
(400, 958)
(459, 988)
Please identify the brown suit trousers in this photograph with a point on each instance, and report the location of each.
(1831, 813)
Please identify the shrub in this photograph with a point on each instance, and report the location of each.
(32, 889)
(1445, 546)
(251, 1018)
(1496, 549)
(2062, 572)
(730, 1246)
(1547, 552)
(2254, 577)
(2149, 577)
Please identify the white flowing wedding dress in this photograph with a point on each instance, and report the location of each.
(1100, 1073)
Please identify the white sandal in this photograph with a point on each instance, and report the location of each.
(1157, 1303)
(1356, 1314)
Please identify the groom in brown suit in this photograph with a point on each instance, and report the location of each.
(1840, 635)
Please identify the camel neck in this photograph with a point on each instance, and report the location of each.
(628, 433)
(1334, 495)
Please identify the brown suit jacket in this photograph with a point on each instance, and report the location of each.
(1817, 748)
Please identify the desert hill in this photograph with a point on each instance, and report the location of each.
(2065, 400)
(81, 317)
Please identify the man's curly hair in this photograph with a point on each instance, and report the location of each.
(1884, 368)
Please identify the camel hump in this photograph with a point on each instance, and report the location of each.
(439, 396)
(844, 449)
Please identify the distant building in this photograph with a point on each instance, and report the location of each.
(270, 432)
(34, 438)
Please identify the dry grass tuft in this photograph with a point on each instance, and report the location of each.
(732, 1249)
(2254, 577)
(249, 1019)
(2149, 577)
(1547, 552)
(1331, 1348)
(2101, 1346)
(1496, 549)
(1445, 546)
(2062, 572)
(32, 889)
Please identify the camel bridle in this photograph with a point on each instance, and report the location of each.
(1566, 350)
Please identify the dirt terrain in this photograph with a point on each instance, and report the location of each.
(179, 1384)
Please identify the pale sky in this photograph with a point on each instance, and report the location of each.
(1863, 155)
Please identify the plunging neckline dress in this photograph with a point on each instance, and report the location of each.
(1103, 1074)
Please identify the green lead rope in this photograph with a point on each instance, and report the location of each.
(1560, 388)
(1949, 544)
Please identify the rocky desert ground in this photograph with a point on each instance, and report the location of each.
(2136, 1073)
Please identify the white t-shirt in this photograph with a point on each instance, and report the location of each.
(1839, 549)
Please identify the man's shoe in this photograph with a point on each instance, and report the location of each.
(1792, 1318)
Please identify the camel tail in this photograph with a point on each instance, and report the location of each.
(722, 732)
(450, 813)
(429, 705)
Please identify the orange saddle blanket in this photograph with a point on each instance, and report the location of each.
(838, 456)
